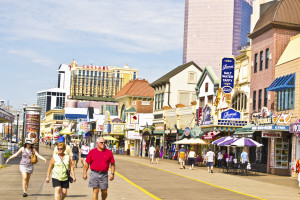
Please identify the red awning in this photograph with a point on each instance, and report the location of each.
(210, 135)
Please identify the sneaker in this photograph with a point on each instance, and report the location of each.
(183, 167)
(212, 171)
(25, 195)
(208, 171)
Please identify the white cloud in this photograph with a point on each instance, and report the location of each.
(34, 57)
(134, 26)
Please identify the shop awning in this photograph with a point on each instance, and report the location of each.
(282, 83)
(75, 116)
(131, 110)
(210, 135)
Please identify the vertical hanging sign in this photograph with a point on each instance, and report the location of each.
(227, 75)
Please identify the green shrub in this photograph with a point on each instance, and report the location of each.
(7, 154)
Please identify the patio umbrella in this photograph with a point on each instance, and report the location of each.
(110, 138)
(246, 142)
(222, 139)
(227, 142)
(183, 141)
(196, 141)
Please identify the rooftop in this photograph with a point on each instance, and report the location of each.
(137, 87)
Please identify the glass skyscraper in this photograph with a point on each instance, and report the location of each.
(214, 29)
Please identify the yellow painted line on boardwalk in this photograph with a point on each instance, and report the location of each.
(200, 181)
(138, 187)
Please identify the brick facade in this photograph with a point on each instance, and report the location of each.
(276, 40)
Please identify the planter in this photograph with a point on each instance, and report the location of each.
(167, 108)
(179, 105)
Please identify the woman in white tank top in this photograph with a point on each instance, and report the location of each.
(192, 157)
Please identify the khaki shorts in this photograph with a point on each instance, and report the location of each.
(181, 160)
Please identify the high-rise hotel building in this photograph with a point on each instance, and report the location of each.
(214, 29)
(97, 82)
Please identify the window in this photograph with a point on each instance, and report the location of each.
(286, 99)
(184, 98)
(267, 58)
(159, 101)
(254, 100)
(58, 117)
(206, 87)
(156, 101)
(162, 100)
(192, 77)
(58, 85)
(210, 99)
(134, 75)
(266, 98)
(79, 77)
(239, 101)
(202, 102)
(259, 99)
(255, 63)
(261, 61)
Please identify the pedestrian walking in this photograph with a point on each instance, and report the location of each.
(84, 152)
(151, 153)
(50, 144)
(210, 161)
(298, 172)
(92, 145)
(220, 158)
(75, 152)
(192, 158)
(26, 167)
(182, 156)
(98, 160)
(60, 164)
(157, 154)
(68, 150)
(244, 157)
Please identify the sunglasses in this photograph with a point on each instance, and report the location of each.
(60, 149)
(102, 142)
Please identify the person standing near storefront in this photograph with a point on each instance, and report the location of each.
(244, 157)
(182, 156)
(157, 154)
(192, 158)
(298, 172)
(210, 161)
(220, 158)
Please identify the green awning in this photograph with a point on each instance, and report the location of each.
(131, 110)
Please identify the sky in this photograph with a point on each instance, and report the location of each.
(37, 36)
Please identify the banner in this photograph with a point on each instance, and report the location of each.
(227, 75)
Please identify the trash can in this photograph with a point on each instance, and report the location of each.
(128, 152)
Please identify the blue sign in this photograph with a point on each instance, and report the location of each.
(270, 127)
(231, 114)
(227, 75)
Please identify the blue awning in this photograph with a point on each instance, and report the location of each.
(282, 83)
(75, 116)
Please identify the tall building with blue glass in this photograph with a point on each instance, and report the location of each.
(215, 29)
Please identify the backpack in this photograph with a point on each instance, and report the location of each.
(182, 154)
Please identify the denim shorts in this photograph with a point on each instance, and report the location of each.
(98, 180)
(210, 164)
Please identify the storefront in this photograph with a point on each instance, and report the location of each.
(295, 130)
(277, 141)
(145, 144)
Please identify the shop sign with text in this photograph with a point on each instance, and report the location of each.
(295, 128)
(271, 134)
(159, 127)
(231, 114)
(271, 127)
(227, 75)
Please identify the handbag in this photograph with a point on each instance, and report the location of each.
(70, 179)
(33, 158)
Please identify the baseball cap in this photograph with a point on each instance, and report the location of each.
(61, 139)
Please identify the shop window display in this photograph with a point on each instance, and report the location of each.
(281, 153)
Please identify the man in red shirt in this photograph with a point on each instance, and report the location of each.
(98, 160)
